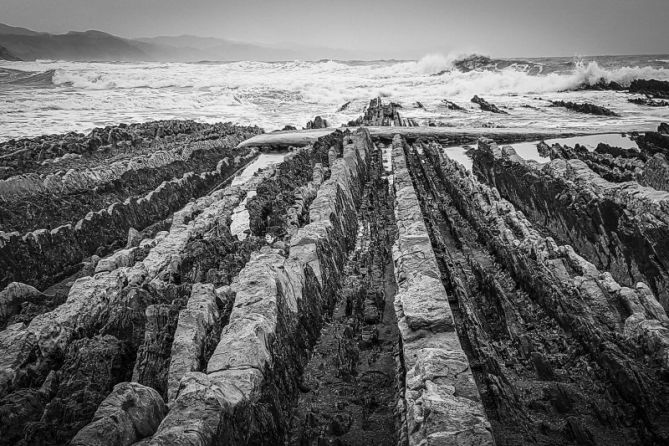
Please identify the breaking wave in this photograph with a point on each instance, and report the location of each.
(279, 93)
(451, 74)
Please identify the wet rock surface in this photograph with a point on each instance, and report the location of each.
(585, 107)
(620, 227)
(543, 327)
(486, 106)
(379, 293)
(98, 222)
(651, 87)
(348, 389)
(377, 113)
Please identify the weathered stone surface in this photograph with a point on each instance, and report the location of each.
(442, 403)
(13, 296)
(42, 257)
(612, 164)
(277, 313)
(195, 321)
(109, 302)
(590, 305)
(130, 412)
(90, 369)
(620, 227)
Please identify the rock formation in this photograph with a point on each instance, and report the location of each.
(379, 114)
(651, 87)
(620, 227)
(363, 289)
(452, 105)
(648, 102)
(486, 106)
(590, 109)
(317, 123)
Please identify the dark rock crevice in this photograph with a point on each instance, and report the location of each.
(532, 373)
(348, 392)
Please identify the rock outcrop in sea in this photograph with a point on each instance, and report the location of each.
(585, 107)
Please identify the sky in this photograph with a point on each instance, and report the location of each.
(388, 28)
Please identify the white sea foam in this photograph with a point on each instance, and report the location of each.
(84, 95)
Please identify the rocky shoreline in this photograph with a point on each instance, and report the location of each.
(362, 288)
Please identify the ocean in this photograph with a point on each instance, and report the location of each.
(55, 96)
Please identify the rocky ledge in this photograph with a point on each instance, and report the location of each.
(360, 289)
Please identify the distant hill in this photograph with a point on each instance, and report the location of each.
(88, 45)
(99, 46)
(6, 29)
(6, 55)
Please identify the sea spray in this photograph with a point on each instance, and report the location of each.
(83, 95)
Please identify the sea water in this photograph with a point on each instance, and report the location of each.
(56, 96)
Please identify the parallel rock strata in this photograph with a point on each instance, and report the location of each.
(443, 405)
(103, 321)
(615, 167)
(350, 291)
(101, 142)
(380, 114)
(42, 257)
(253, 373)
(557, 343)
(620, 227)
(348, 389)
(647, 165)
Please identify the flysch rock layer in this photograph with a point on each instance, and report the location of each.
(195, 322)
(622, 228)
(442, 403)
(41, 257)
(26, 349)
(23, 186)
(625, 329)
(251, 380)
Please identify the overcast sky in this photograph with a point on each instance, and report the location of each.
(393, 28)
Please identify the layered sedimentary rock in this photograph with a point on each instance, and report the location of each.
(379, 114)
(185, 155)
(557, 342)
(442, 403)
(42, 257)
(254, 371)
(612, 164)
(620, 227)
(647, 165)
(349, 393)
(356, 292)
(103, 331)
(21, 153)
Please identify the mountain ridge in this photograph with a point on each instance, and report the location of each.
(94, 45)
